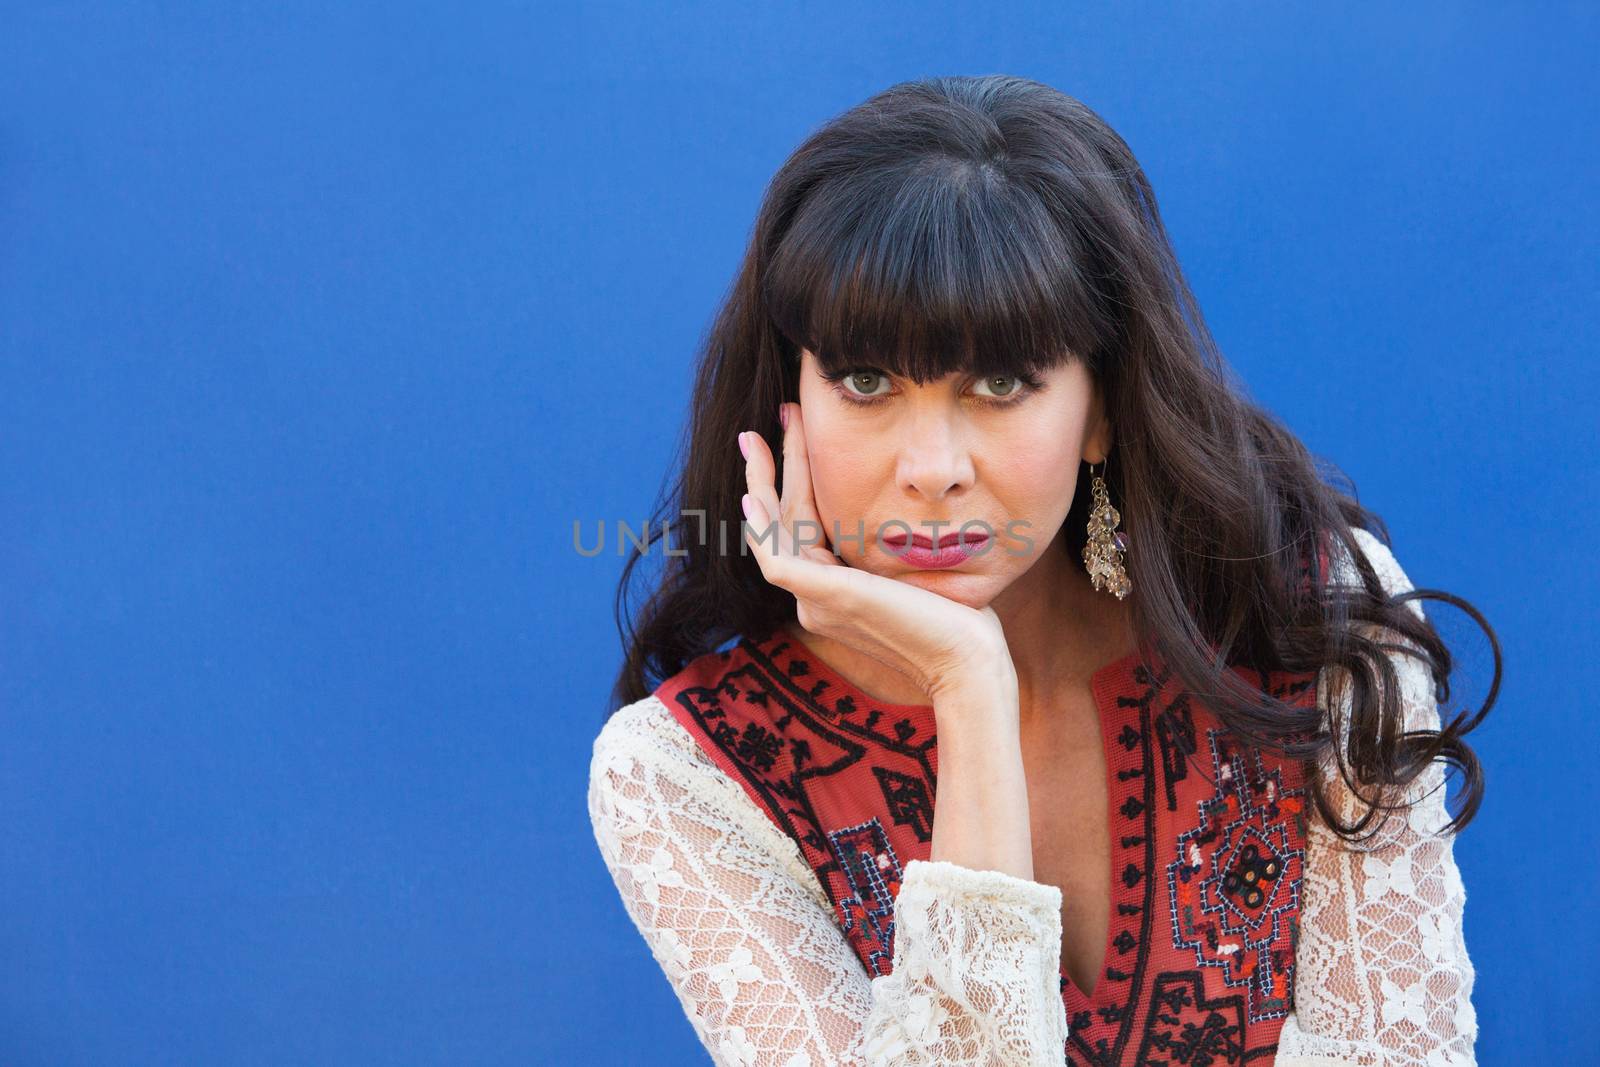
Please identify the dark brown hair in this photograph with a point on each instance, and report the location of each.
(994, 225)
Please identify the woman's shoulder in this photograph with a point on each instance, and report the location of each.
(647, 725)
(649, 772)
(644, 758)
(1381, 556)
(1411, 673)
(646, 729)
(655, 737)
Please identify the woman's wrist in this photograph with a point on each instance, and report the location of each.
(981, 814)
(984, 667)
(980, 691)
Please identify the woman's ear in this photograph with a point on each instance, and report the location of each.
(1096, 453)
(1097, 440)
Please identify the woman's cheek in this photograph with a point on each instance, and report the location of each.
(834, 493)
(1037, 477)
(836, 476)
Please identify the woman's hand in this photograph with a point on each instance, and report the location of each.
(936, 642)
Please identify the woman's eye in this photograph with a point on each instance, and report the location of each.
(865, 382)
(1004, 385)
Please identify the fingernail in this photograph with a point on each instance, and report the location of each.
(783, 415)
(744, 449)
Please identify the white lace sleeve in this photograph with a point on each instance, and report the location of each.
(747, 938)
(1382, 973)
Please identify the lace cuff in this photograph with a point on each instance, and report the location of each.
(977, 970)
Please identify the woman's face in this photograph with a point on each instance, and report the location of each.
(960, 450)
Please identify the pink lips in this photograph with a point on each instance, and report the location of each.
(954, 549)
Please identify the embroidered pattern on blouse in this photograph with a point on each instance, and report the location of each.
(1234, 889)
(815, 737)
(1100, 1026)
(874, 875)
(1188, 1027)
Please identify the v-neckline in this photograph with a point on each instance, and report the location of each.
(1106, 683)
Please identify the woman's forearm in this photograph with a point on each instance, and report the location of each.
(981, 808)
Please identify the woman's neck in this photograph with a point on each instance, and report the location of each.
(1060, 630)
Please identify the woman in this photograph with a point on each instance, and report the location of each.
(1178, 701)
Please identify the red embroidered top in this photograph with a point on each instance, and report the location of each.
(1207, 837)
(767, 827)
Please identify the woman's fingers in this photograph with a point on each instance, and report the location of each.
(759, 474)
(758, 533)
(778, 562)
(773, 531)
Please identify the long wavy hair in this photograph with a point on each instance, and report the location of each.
(996, 226)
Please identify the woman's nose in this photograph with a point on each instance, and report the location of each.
(934, 458)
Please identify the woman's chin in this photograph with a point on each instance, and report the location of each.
(976, 591)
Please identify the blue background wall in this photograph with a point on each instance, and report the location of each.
(319, 328)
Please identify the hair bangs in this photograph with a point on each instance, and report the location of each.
(939, 267)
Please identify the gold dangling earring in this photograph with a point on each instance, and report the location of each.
(1102, 555)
